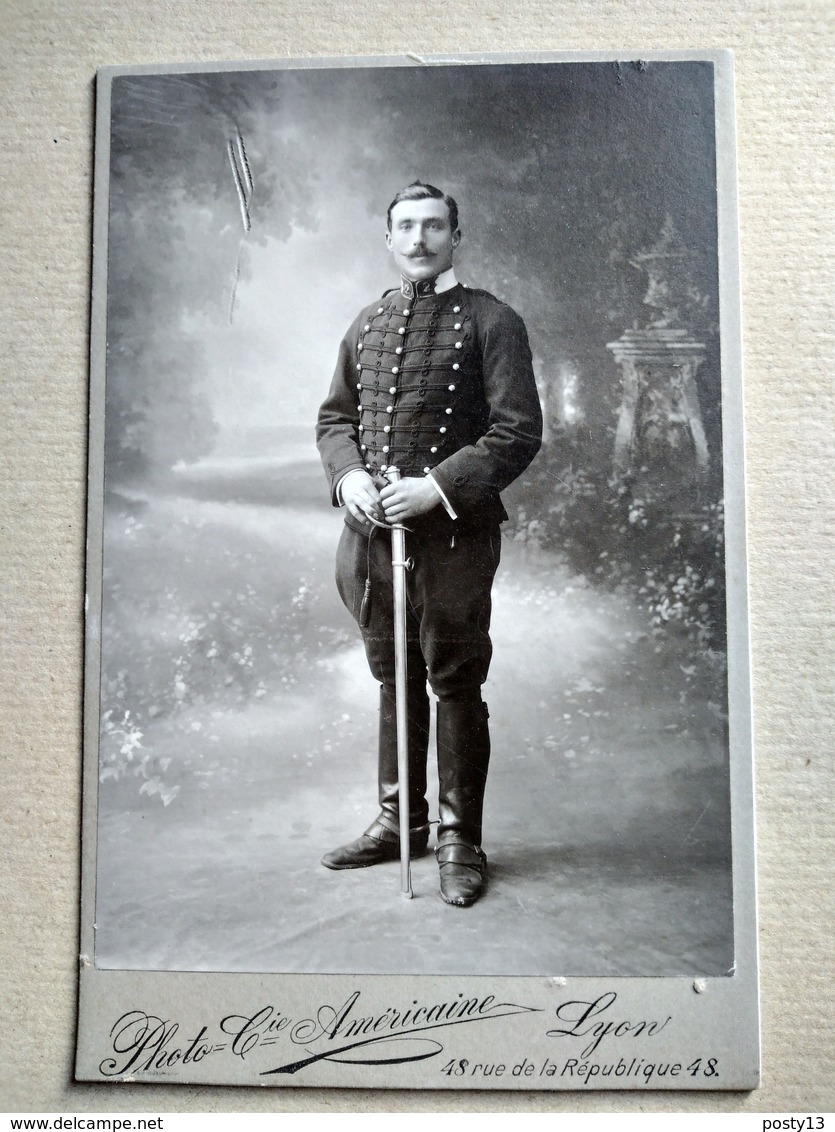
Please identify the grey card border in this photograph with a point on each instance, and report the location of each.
(713, 1018)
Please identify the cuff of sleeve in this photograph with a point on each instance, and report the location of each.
(338, 491)
(447, 505)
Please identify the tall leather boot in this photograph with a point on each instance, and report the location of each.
(381, 841)
(418, 712)
(463, 757)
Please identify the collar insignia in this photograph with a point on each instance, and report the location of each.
(410, 290)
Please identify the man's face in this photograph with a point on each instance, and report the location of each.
(421, 239)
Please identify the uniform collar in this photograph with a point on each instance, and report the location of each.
(436, 286)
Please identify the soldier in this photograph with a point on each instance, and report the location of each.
(436, 380)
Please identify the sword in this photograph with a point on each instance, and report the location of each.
(399, 565)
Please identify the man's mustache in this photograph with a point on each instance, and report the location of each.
(418, 254)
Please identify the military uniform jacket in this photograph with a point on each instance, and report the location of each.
(435, 383)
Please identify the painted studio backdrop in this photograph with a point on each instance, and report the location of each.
(238, 718)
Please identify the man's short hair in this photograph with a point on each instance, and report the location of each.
(418, 190)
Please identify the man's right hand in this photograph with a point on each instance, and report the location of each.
(360, 496)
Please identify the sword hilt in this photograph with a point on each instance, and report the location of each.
(392, 474)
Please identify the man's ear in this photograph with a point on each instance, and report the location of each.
(388, 239)
(456, 237)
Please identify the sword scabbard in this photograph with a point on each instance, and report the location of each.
(399, 566)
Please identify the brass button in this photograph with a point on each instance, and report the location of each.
(402, 330)
(399, 350)
(457, 326)
(380, 310)
(368, 326)
(387, 428)
(458, 345)
(392, 389)
(452, 388)
(448, 412)
(433, 449)
(385, 448)
(455, 365)
(395, 369)
(442, 428)
(455, 310)
(407, 311)
(390, 409)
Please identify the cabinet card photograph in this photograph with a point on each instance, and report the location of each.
(417, 729)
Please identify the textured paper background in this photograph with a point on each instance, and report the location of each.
(785, 109)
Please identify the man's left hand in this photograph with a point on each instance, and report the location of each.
(407, 498)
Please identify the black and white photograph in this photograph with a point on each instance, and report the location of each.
(416, 582)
